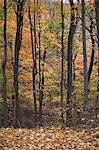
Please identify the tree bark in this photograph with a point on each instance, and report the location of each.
(97, 23)
(19, 20)
(33, 58)
(93, 47)
(73, 27)
(4, 66)
(84, 58)
(35, 67)
(40, 90)
(62, 60)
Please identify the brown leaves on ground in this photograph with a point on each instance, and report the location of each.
(49, 139)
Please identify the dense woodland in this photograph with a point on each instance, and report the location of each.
(49, 74)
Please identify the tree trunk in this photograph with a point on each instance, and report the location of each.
(84, 58)
(73, 26)
(93, 48)
(40, 91)
(33, 58)
(97, 23)
(62, 60)
(19, 15)
(34, 67)
(4, 66)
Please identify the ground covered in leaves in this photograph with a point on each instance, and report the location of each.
(49, 139)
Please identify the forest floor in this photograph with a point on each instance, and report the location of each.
(49, 139)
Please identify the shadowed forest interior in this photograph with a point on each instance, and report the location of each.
(49, 74)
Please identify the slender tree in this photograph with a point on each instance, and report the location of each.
(93, 46)
(19, 20)
(62, 59)
(33, 57)
(84, 58)
(35, 67)
(74, 59)
(40, 96)
(39, 63)
(4, 65)
(72, 30)
(90, 29)
(97, 23)
(42, 71)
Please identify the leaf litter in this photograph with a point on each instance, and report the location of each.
(54, 138)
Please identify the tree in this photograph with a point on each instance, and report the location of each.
(43, 68)
(39, 70)
(62, 59)
(97, 23)
(93, 44)
(72, 30)
(34, 67)
(19, 20)
(84, 58)
(33, 46)
(90, 29)
(4, 65)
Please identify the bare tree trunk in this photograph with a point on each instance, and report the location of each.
(93, 47)
(74, 74)
(43, 65)
(33, 58)
(84, 58)
(19, 16)
(4, 67)
(40, 92)
(73, 26)
(97, 23)
(35, 67)
(62, 60)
